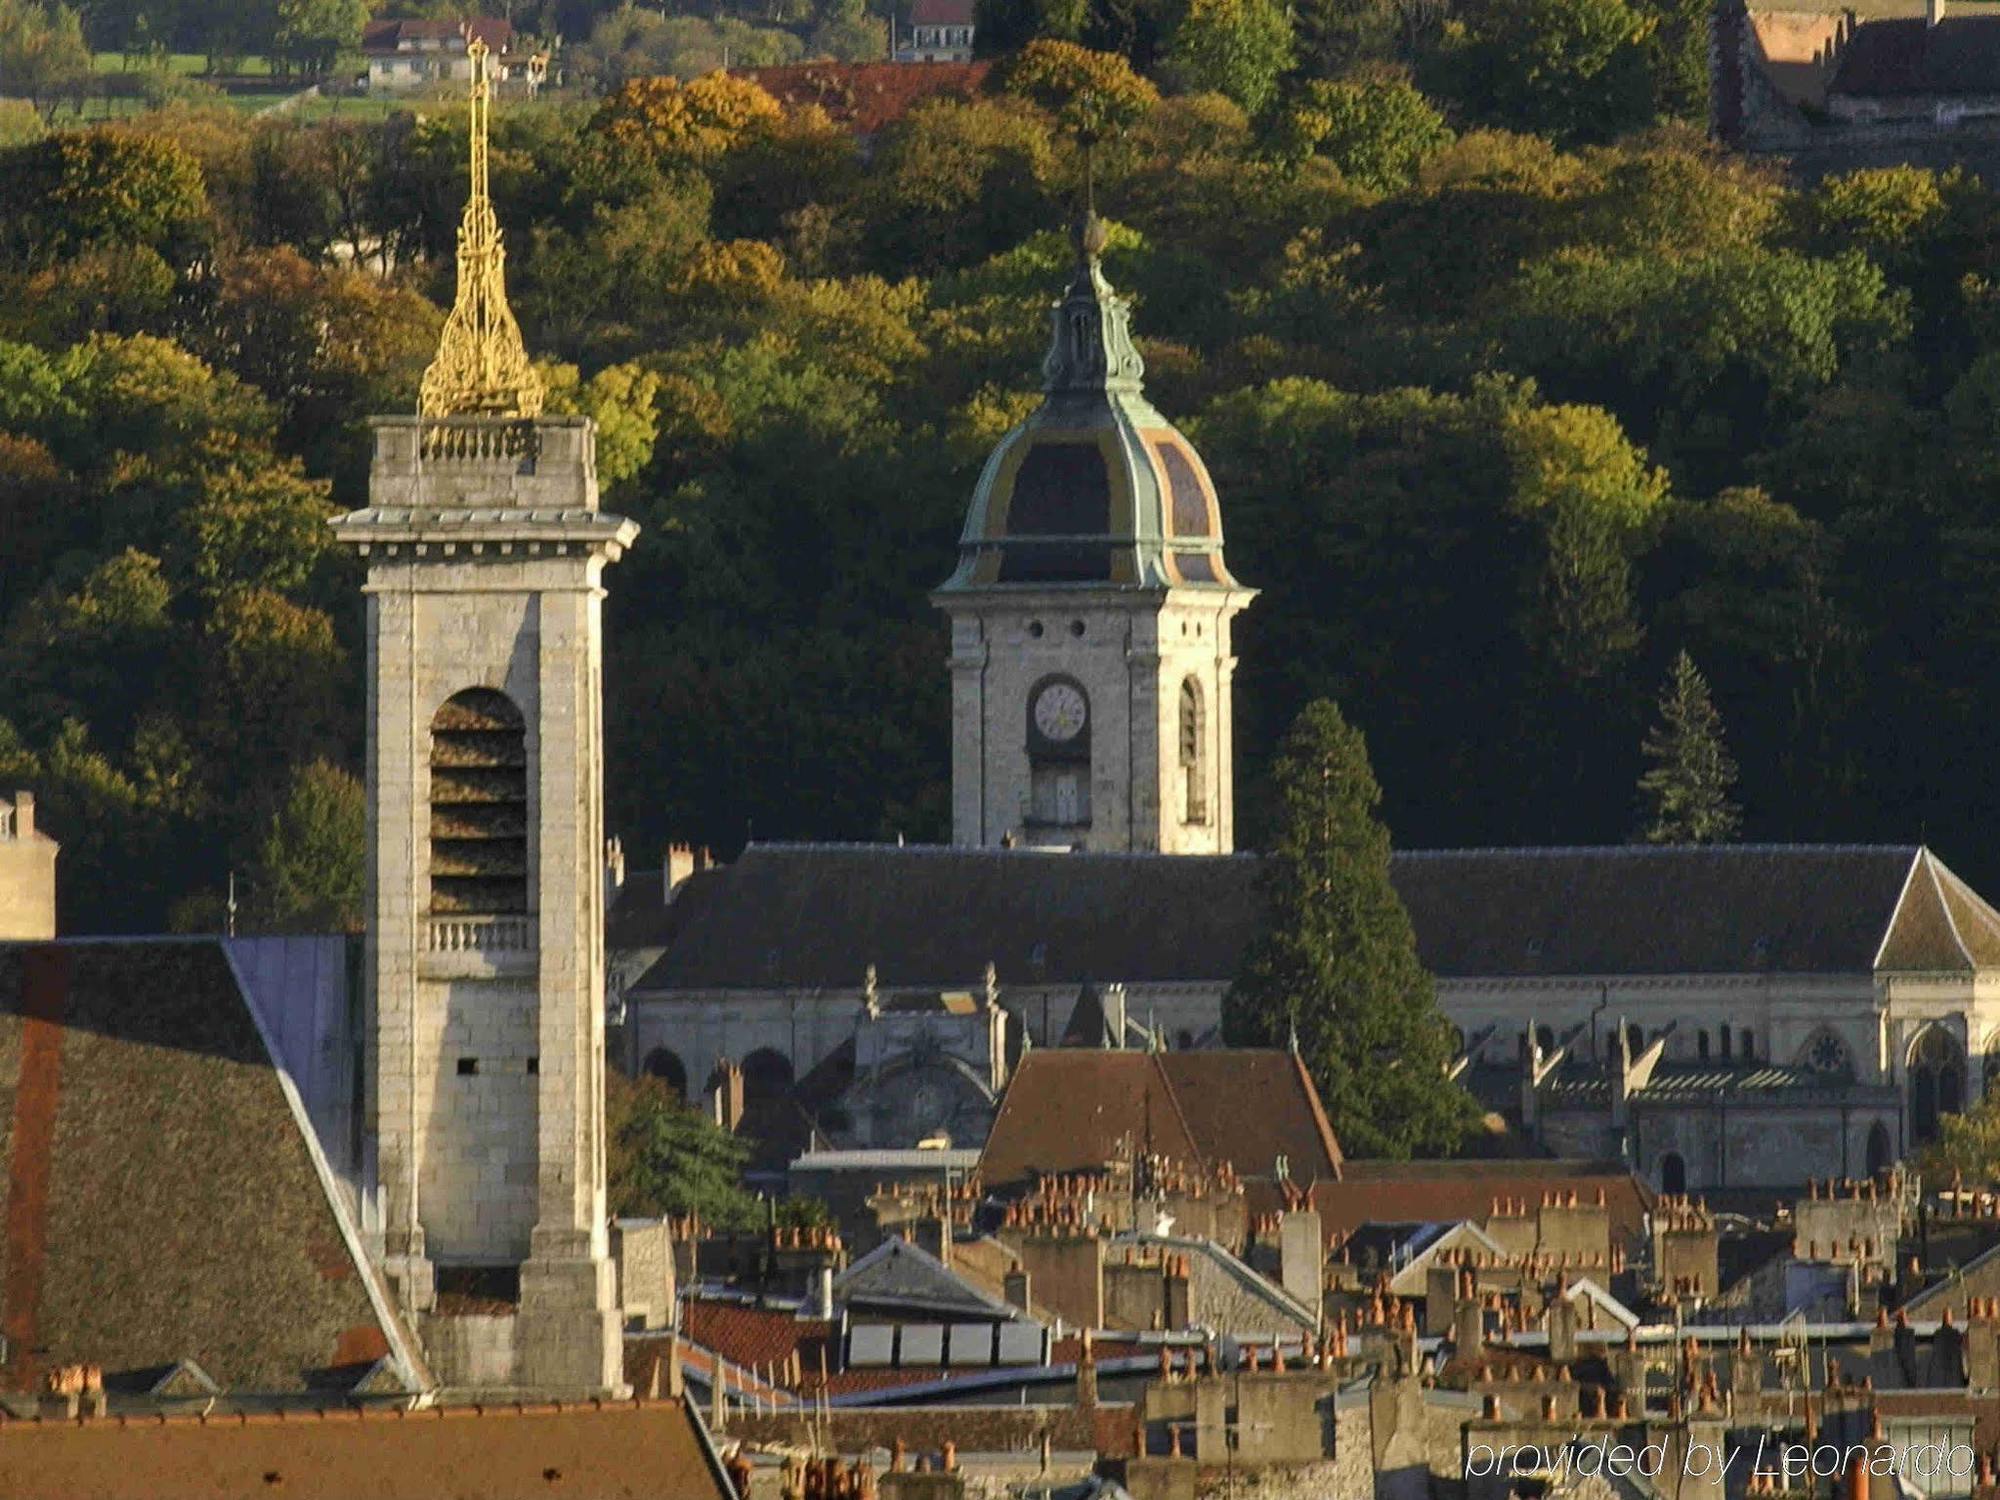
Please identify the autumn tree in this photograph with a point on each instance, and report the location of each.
(80, 188)
(1091, 94)
(1686, 789)
(43, 55)
(1334, 966)
(1377, 131)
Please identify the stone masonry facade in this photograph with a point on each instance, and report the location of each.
(485, 550)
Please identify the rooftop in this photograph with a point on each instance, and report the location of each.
(1074, 1110)
(139, 1230)
(815, 916)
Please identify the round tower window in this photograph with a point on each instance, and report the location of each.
(1035, 629)
(1076, 627)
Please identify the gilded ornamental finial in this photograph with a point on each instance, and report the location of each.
(482, 367)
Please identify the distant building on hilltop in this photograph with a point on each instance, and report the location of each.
(940, 31)
(1836, 93)
(405, 54)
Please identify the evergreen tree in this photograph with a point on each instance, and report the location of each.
(1687, 789)
(1336, 963)
(663, 1157)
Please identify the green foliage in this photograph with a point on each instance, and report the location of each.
(1239, 48)
(1534, 411)
(620, 400)
(1967, 1148)
(310, 34)
(1335, 962)
(1571, 69)
(76, 189)
(43, 56)
(662, 1157)
(1378, 132)
(1687, 788)
(310, 874)
(1092, 94)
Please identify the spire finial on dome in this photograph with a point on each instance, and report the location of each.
(1091, 349)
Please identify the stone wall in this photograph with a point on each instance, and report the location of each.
(1129, 655)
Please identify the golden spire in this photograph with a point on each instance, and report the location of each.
(481, 368)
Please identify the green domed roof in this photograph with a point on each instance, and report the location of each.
(1096, 487)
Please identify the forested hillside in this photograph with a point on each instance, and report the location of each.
(1501, 420)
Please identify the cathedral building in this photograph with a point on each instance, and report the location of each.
(1729, 1017)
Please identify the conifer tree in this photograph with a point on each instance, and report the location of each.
(1686, 791)
(1335, 966)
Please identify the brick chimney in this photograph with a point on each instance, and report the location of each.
(726, 1102)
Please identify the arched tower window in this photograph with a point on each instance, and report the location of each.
(479, 805)
(1193, 756)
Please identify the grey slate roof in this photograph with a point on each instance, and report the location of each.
(897, 1274)
(816, 915)
(1905, 55)
(163, 1204)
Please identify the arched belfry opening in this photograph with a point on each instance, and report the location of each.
(479, 806)
(1193, 752)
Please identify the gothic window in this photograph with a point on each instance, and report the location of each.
(479, 805)
(1937, 1082)
(1193, 756)
(1826, 1054)
(1749, 1045)
(1701, 1045)
(1725, 1042)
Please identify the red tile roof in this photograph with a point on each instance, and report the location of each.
(383, 36)
(1068, 1110)
(1391, 1192)
(759, 1338)
(941, 13)
(608, 1450)
(864, 97)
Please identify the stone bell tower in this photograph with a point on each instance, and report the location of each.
(485, 944)
(1091, 613)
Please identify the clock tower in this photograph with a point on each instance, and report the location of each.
(1091, 613)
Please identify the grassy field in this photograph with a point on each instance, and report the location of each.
(181, 64)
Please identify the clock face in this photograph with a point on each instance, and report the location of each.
(1060, 711)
